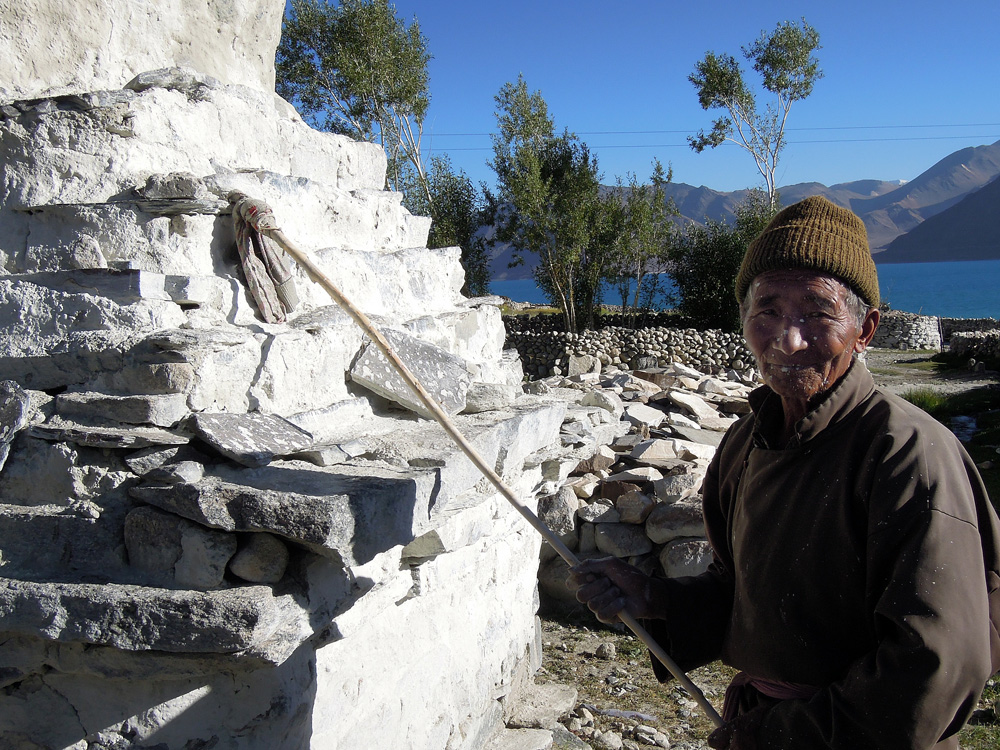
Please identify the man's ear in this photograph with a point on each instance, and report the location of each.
(867, 330)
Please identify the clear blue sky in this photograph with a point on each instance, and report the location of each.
(906, 83)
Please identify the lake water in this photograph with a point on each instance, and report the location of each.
(960, 289)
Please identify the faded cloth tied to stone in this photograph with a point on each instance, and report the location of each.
(268, 278)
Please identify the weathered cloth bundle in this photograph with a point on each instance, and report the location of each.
(268, 278)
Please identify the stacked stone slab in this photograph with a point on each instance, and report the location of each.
(215, 531)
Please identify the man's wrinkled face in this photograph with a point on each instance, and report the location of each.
(802, 332)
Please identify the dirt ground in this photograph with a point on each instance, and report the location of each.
(610, 667)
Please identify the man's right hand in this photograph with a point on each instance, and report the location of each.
(607, 586)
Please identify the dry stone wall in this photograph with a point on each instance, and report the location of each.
(217, 531)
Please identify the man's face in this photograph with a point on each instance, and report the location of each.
(802, 332)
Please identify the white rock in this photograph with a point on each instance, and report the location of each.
(103, 45)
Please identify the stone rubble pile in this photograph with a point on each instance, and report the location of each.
(638, 497)
(546, 353)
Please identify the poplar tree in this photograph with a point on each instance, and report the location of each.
(356, 69)
(548, 202)
(788, 68)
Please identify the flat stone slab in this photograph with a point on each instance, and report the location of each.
(161, 410)
(443, 375)
(352, 514)
(251, 439)
(122, 436)
(138, 618)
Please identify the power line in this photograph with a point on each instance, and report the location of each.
(691, 130)
(789, 143)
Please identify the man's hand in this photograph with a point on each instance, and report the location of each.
(740, 733)
(607, 586)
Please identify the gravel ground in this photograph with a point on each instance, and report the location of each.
(900, 371)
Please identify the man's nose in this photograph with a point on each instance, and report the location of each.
(789, 340)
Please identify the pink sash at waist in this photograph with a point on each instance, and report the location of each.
(781, 691)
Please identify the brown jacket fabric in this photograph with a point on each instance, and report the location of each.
(850, 560)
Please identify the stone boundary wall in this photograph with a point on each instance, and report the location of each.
(950, 326)
(982, 345)
(903, 330)
(545, 350)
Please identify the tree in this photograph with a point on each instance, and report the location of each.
(456, 213)
(705, 261)
(548, 202)
(784, 59)
(642, 246)
(356, 69)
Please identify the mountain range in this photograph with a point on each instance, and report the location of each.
(951, 211)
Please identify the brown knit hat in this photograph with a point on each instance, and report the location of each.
(818, 235)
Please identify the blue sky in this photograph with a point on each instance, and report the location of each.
(906, 83)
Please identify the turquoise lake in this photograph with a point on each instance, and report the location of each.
(961, 289)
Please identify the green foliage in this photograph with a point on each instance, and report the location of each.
(642, 243)
(705, 262)
(456, 212)
(548, 202)
(785, 61)
(356, 69)
(926, 398)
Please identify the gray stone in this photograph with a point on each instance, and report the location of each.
(675, 487)
(351, 514)
(640, 414)
(261, 558)
(605, 400)
(558, 512)
(695, 405)
(540, 706)
(174, 550)
(603, 459)
(139, 618)
(636, 475)
(443, 375)
(14, 414)
(490, 397)
(600, 511)
(94, 436)
(580, 364)
(672, 520)
(622, 539)
(634, 507)
(251, 439)
(685, 557)
(159, 410)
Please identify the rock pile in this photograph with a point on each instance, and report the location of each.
(638, 497)
(545, 352)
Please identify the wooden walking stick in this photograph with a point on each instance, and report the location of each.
(261, 217)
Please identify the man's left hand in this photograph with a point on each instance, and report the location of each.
(740, 733)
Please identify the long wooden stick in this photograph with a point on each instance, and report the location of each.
(265, 223)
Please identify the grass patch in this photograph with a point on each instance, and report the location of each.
(927, 399)
(984, 405)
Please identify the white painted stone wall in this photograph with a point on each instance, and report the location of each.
(244, 547)
(52, 47)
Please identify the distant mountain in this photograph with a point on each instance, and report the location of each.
(940, 187)
(969, 230)
(889, 209)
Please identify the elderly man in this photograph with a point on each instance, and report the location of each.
(854, 543)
